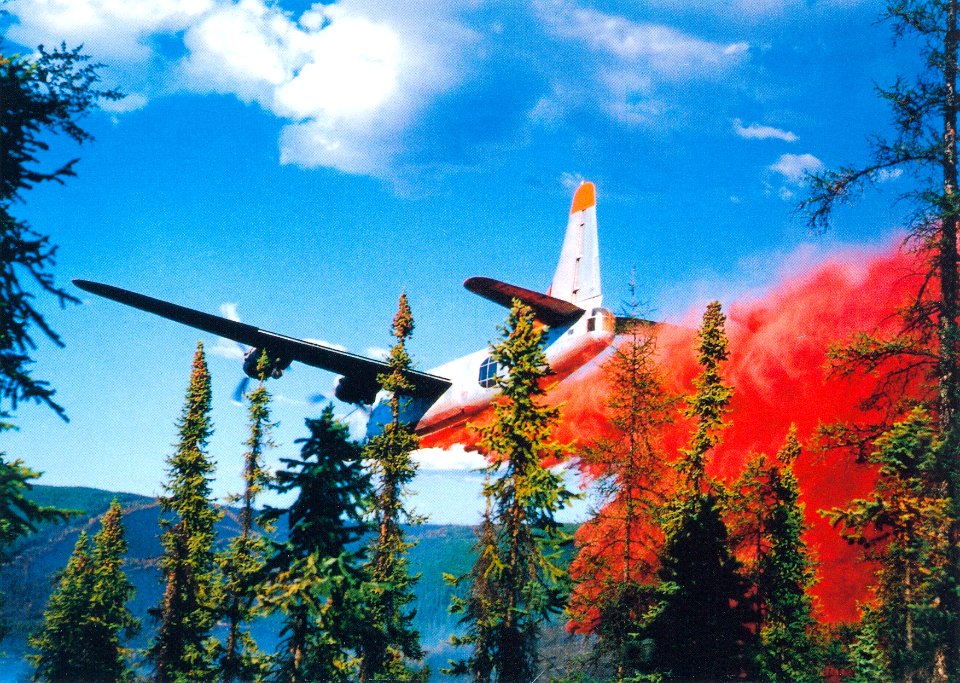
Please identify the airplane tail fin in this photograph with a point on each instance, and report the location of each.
(577, 278)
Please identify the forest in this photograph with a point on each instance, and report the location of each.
(805, 534)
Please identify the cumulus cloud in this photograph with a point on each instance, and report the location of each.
(793, 167)
(349, 78)
(757, 131)
(114, 29)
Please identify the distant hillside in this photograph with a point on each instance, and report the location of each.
(28, 579)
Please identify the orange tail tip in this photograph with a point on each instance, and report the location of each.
(584, 197)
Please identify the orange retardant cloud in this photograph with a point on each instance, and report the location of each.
(778, 353)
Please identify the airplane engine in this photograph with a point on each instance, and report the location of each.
(276, 364)
(357, 390)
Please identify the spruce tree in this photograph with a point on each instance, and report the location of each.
(390, 640)
(696, 629)
(242, 563)
(313, 578)
(614, 569)
(527, 577)
(767, 527)
(40, 96)
(19, 515)
(926, 351)
(901, 528)
(182, 648)
(481, 610)
(87, 616)
(63, 642)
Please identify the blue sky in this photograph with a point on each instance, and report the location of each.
(307, 163)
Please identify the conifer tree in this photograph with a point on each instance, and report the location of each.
(182, 648)
(390, 640)
(700, 606)
(87, 615)
(527, 579)
(615, 566)
(242, 563)
(767, 527)
(924, 149)
(40, 96)
(481, 610)
(901, 526)
(19, 515)
(62, 644)
(314, 576)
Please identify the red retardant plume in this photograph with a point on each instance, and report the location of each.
(778, 369)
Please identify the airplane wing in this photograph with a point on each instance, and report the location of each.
(309, 353)
(547, 309)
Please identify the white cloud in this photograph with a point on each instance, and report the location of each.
(323, 342)
(377, 352)
(454, 458)
(657, 48)
(793, 167)
(756, 131)
(349, 78)
(114, 29)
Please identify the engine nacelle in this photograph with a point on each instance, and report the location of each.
(276, 364)
(357, 390)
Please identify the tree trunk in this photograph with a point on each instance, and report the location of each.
(949, 383)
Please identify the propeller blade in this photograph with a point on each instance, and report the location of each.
(241, 390)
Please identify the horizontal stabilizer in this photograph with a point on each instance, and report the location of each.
(309, 353)
(547, 309)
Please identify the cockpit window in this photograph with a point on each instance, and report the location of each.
(488, 373)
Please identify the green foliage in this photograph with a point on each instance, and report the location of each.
(901, 528)
(242, 564)
(700, 597)
(868, 659)
(767, 527)
(182, 648)
(39, 96)
(19, 516)
(313, 578)
(389, 638)
(61, 645)
(520, 558)
(925, 351)
(711, 398)
(480, 610)
(87, 614)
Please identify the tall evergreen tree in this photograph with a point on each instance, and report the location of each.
(615, 566)
(182, 648)
(40, 96)
(767, 529)
(924, 149)
(314, 576)
(19, 515)
(697, 627)
(481, 610)
(527, 579)
(62, 644)
(901, 525)
(242, 563)
(87, 616)
(390, 639)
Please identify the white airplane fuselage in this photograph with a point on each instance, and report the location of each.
(471, 392)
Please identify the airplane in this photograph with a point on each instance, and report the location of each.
(576, 329)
